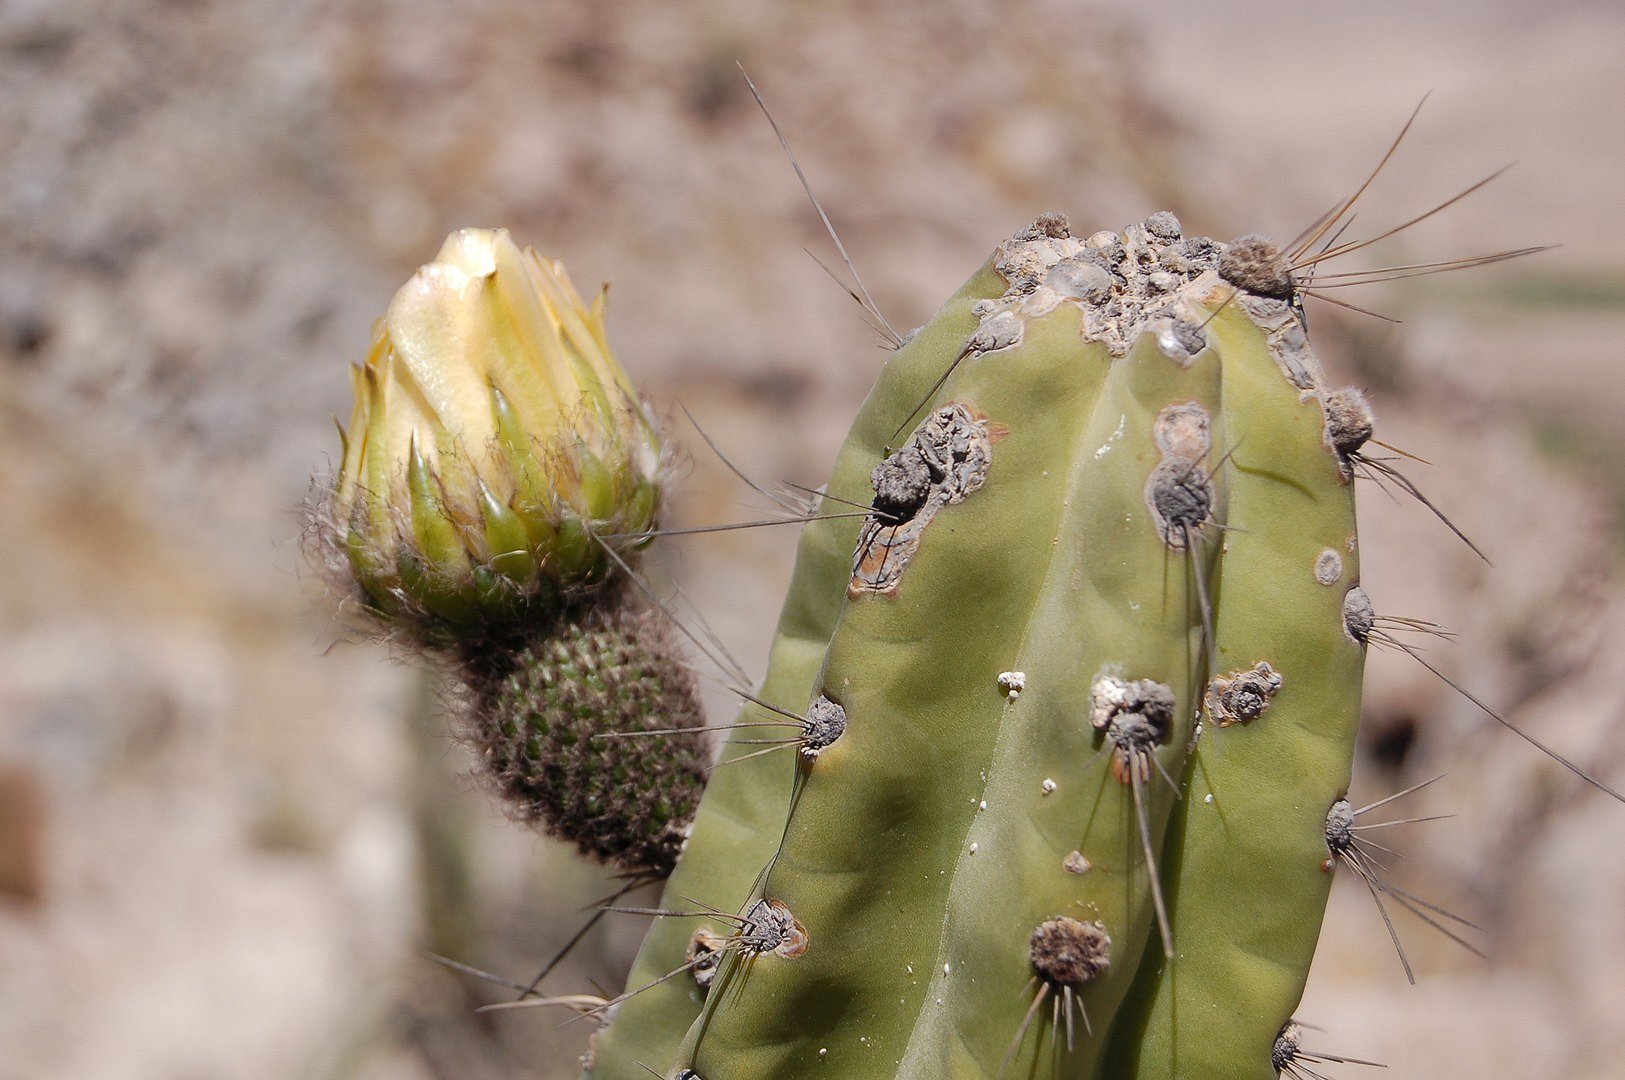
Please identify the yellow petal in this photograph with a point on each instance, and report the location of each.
(473, 251)
(355, 443)
(527, 362)
(441, 331)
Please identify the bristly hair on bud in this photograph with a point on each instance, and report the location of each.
(537, 728)
(496, 447)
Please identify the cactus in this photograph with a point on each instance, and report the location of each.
(1098, 664)
(1073, 544)
(1284, 700)
(1068, 717)
(541, 728)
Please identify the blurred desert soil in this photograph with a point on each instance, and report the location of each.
(226, 842)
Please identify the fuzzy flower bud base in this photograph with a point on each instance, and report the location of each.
(553, 736)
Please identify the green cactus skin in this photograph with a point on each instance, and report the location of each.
(880, 862)
(742, 814)
(1258, 791)
(1116, 600)
(965, 866)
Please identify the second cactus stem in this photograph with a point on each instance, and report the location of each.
(1079, 694)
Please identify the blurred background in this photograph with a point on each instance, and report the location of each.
(228, 835)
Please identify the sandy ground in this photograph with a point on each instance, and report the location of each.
(226, 842)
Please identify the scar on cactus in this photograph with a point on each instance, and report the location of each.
(1328, 567)
(1359, 615)
(944, 461)
(826, 722)
(1241, 696)
(767, 927)
(1066, 955)
(823, 724)
(704, 956)
(1349, 846)
(1179, 491)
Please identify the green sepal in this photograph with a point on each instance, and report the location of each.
(533, 499)
(431, 588)
(499, 597)
(371, 572)
(435, 574)
(597, 484)
(640, 512)
(506, 538)
(573, 554)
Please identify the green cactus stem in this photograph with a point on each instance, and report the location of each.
(1281, 711)
(741, 817)
(937, 837)
(1066, 721)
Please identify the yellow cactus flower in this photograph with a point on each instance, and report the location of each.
(496, 444)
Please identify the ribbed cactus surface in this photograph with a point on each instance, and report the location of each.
(1089, 645)
(1247, 858)
(741, 818)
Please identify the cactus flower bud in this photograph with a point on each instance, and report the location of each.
(496, 443)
